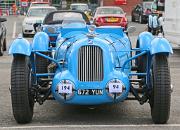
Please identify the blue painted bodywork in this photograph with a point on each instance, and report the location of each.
(111, 68)
(117, 57)
(160, 45)
(20, 46)
(40, 42)
(146, 41)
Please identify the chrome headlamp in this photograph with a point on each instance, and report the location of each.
(115, 88)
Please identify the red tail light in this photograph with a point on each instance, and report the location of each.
(99, 20)
(52, 38)
(119, 19)
(124, 20)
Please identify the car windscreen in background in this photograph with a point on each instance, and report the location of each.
(39, 12)
(110, 11)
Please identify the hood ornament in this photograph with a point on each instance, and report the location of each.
(91, 30)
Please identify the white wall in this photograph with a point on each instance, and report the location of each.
(172, 21)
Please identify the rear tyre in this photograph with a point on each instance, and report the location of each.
(22, 99)
(140, 19)
(41, 64)
(1, 49)
(141, 64)
(161, 94)
(132, 18)
(4, 45)
(42, 67)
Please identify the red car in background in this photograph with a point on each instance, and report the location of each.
(110, 16)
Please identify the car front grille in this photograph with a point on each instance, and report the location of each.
(90, 64)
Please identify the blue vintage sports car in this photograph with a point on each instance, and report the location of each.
(88, 65)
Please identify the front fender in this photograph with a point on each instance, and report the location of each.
(20, 46)
(40, 42)
(144, 41)
(160, 45)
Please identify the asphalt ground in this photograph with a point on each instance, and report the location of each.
(52, 115)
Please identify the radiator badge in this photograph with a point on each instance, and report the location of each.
(90, 41)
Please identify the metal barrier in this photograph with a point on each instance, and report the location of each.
(6, 7)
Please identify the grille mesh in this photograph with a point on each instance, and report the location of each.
(90, 64)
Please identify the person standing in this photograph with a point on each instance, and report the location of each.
(153, 23)
(161, 23)
(150, 23)
(14, 9)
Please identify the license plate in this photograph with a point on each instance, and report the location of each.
(65, 88)
(90, 92)
(115, 87)
(112, 19)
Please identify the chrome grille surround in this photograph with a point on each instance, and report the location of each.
(90, 64)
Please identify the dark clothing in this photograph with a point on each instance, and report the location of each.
(36, 25)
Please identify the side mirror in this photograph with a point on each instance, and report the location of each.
(3, 19)
(130, 29)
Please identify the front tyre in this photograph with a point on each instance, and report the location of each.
(22, 100)
(161, 93)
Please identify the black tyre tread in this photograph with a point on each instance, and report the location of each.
(141, 22)
(1, 53)
(41, 64)
(4, 45)
(160, 110)
(141, 64)
(132, 18)
(22, 109)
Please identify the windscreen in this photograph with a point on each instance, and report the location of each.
(39, 12)
(39, 4)
(110, 11)
(69, 23)
(79, 7)
(57, 17)
(67, 15)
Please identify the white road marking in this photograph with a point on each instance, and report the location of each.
(91, 126)
(14, 30)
